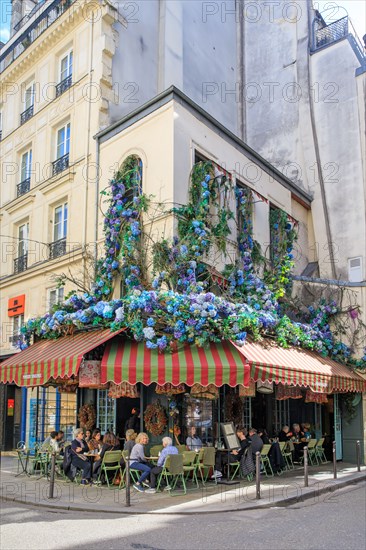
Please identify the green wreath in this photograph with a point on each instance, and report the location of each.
(155, 419)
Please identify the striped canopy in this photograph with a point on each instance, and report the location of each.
(295, 366)
(218, 364)
(35, 365)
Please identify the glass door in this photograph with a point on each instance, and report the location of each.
(106, 417)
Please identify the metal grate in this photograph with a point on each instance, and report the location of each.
(23, 187)
(21, 264)
(26, 115)
(60, 164)
(331, 33)
(57, 248)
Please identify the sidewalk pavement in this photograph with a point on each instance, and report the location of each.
(275, 491)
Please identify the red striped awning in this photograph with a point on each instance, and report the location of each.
(128, 361)
(296, 366)
(35, 365)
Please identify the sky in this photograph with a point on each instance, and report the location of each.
(331, 11)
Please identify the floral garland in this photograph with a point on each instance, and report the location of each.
(175, 309)
(155, 418)
(87, 416)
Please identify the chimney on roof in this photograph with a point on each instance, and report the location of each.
(20, 8)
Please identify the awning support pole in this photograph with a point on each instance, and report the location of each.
(334, 460)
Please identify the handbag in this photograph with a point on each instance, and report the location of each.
(247, 466)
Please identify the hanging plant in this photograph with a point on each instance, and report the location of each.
(155, 418)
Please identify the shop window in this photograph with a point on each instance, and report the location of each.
(106, 419)
(199, 413)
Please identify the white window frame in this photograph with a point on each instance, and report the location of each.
(65, 73)
(65, 142)
(55, 296)
(26, 165)
(23, 236)
(17, 323)
(62, 223)
(29, 95)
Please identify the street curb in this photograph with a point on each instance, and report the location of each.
(332, 486)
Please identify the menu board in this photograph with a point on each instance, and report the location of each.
(230, 437)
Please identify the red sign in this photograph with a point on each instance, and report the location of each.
(10, 407)
(16, 305)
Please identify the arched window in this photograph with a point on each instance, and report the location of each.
(131, 172)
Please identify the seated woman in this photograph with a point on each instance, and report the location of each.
(78, 448)
(110, 443)
(88, 436)
(138, 460)
(306, 430)
(95, 443)
(130, 440)
(193, 442)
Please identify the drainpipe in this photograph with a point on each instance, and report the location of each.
(87, 153)
(23, 420)
(97, 160)
(317, 153)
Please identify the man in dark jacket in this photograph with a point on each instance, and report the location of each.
(256, 441)
(235, 455)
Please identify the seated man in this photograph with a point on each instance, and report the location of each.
(256, 441)
(223, 458)
(285, 434)
(299, 442)
(193, 442)
(168, 449)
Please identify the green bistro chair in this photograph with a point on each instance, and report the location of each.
(155, 450)
(287, 455)
(134, 474)
(319, 451)
(111, 463)
(313, 459)
(182, 448)
(190, 465)
(267, 466)
(173, 471)
(206, 462)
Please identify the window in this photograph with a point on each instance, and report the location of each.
(29, 95)
(66, 66)
(1, 125)
(58, 246)
(55, 296)
(62, 150)
(18, 322)
(355, 270)
(20, 263)
(106, 412)
(25, 173)
(65, 74)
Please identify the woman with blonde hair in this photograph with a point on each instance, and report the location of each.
(138, 460)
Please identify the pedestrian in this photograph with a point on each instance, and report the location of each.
(133, 423)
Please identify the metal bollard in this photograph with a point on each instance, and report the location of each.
(334, 460)
(257, 475)
(306, 468)
(358, 456)
(128, 484)
(52, 475)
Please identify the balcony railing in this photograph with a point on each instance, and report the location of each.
(62, 86)
(60, 164)
(34, 24)
(331, 33)
(57, 248)
(21, 263)
(26, 115)
(23, 187)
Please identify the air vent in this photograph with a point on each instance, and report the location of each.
(355, 270)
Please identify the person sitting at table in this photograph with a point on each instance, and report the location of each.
(130, 440)
(88, 436)
(264, 436)
(285, 434)
(50, 443)
(168, 449)
(223, 458)
(78, 448)
(193, 442)
(138, 460)
(256, 441)
(95, 443)
(306, 429)
(110, 443)
(299, 441)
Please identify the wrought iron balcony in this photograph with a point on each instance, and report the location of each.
(26, 115)
(62, 86)
(23, 187)
(332, 32)
(34, 24)
(20, 264)
(60, 164)
(57, 248)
